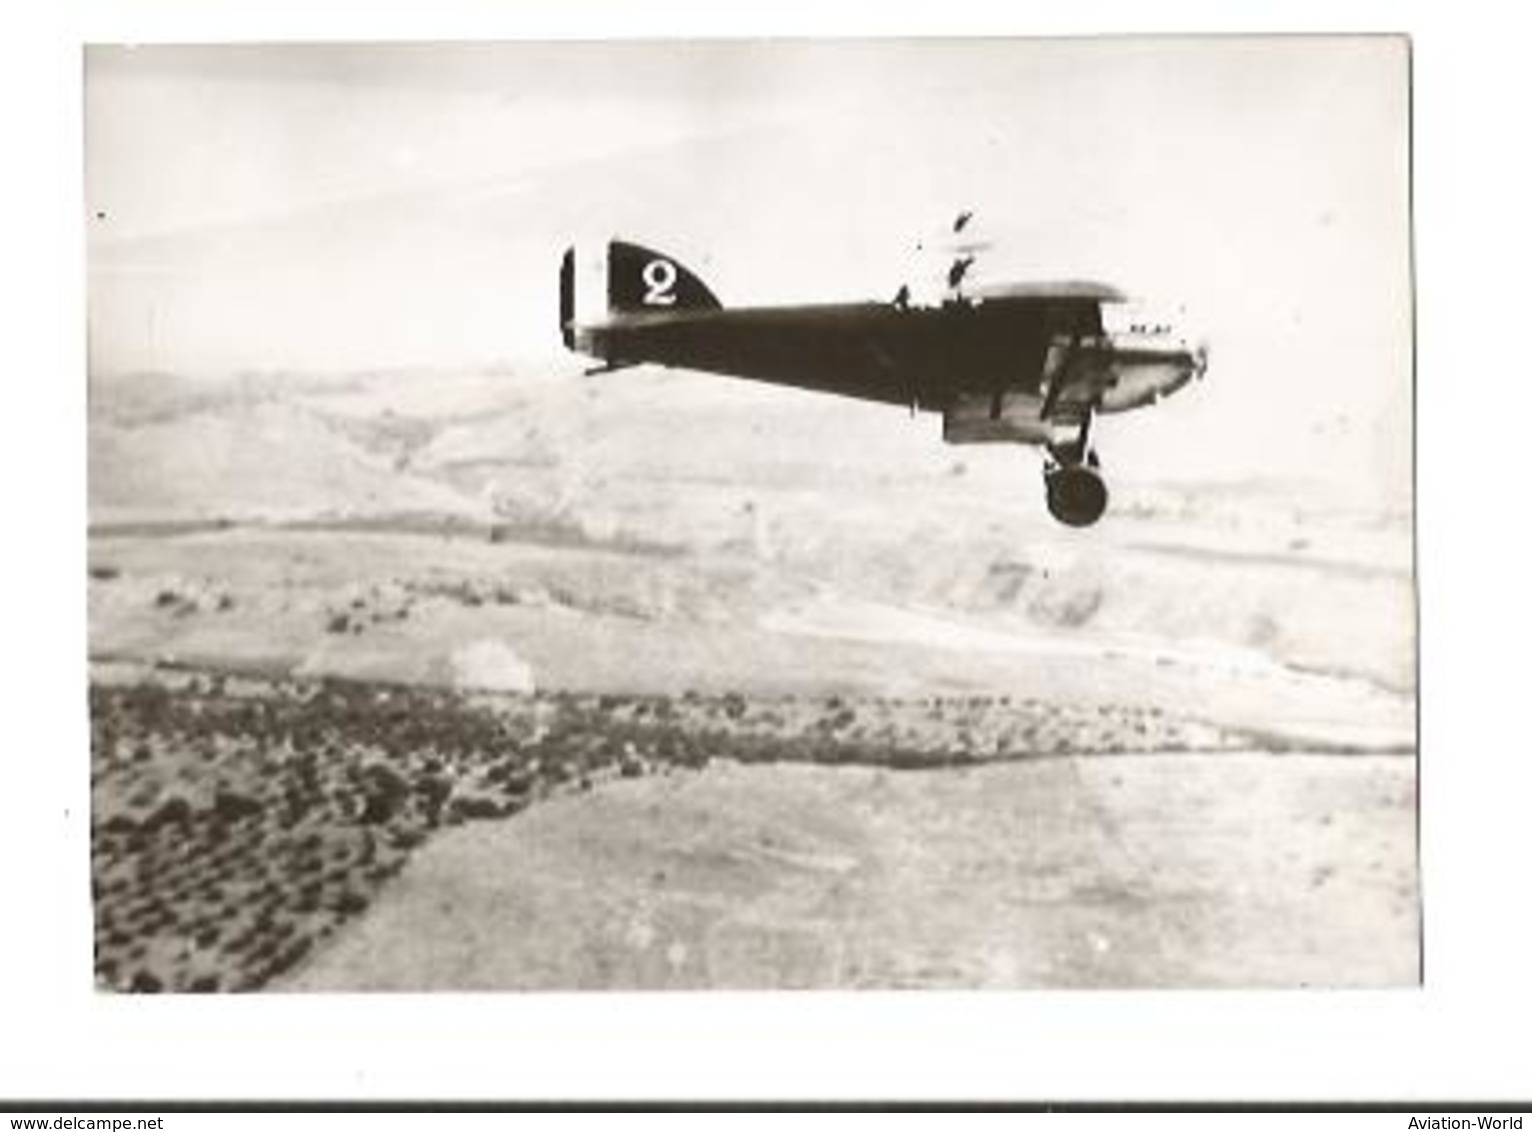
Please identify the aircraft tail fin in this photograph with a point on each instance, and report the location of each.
(635, 279)
(640, 279)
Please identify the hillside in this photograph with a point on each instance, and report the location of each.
(817, 502)
(303, 593)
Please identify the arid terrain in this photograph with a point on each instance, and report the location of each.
(523, 679)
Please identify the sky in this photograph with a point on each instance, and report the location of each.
(331, 208)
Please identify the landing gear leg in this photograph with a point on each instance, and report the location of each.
(1072, 478)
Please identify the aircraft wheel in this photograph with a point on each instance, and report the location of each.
(1076, 494)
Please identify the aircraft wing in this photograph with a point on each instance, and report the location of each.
(1062, 289)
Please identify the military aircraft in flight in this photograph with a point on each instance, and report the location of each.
(1029, 363)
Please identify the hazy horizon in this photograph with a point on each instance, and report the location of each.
(331, 208)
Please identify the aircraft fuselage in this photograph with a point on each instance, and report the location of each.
(1022, 363)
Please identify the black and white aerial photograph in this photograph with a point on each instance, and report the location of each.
(751, 514)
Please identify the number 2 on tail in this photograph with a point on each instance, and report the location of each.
(660, 278)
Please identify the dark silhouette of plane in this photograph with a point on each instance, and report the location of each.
(1030, 363)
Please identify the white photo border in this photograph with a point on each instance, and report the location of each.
(1458, 1037)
